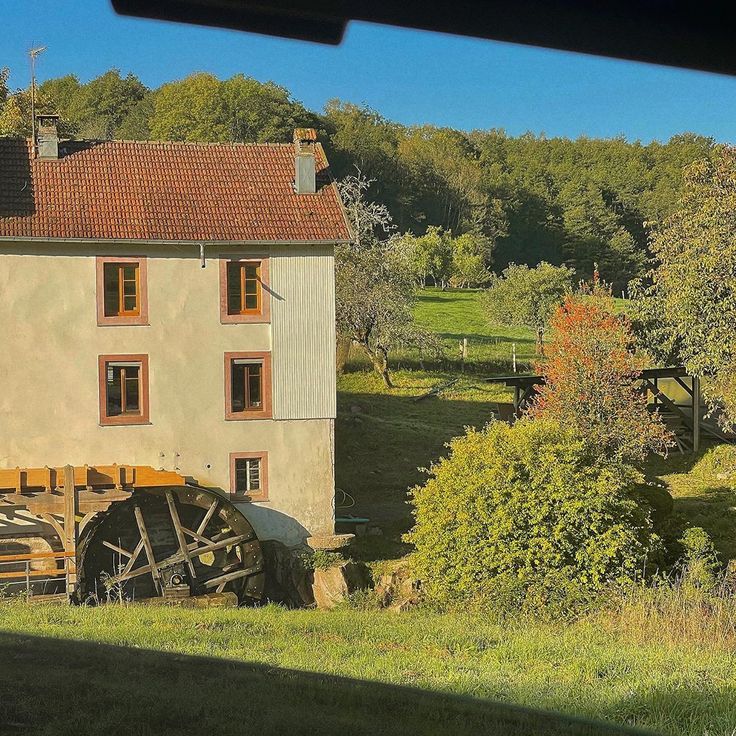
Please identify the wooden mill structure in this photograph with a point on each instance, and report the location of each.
(683, 414)
(124, 530)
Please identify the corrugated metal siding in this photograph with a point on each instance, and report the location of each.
(303, 333)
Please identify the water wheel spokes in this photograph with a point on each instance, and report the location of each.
(183, 540)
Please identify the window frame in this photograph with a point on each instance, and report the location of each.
(142, 280)
(124, 419)
(263, 314)
(265, 412)
(239, 496)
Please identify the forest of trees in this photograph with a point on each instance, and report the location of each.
(532, 198)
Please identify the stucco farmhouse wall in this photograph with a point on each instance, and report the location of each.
(49, 348)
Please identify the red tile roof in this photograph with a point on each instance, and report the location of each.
(164, 191)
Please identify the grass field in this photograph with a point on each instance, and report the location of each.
(384, 436)
(137, 670)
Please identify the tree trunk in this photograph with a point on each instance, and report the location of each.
(343, 352)
(379, 361)
(380, 364)
(540, 342)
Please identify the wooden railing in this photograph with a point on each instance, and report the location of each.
(28, 577)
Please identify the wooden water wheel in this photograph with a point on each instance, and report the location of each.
(170, 542)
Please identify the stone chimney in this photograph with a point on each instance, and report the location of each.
(305, 170)
(47, 136)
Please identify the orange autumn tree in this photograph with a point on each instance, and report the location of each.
(590, 375)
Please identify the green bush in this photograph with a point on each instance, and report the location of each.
(520, 516)
(700, 560)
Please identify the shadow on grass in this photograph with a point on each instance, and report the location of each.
(381, 442)
(445, 297)
(713, 510)
(53, 686)
(486, 339)
(698, 499)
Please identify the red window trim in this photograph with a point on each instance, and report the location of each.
(262, 494)
(138, 319)
(264, 358)
(144, 416)
(256, 317)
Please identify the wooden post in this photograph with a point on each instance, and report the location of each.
(696, 413)
(71, 506)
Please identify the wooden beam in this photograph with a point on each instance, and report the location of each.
(58, 528)
(32, 574)
(115, 548)
(25, 480)
(193, 550)
(682, 383)
(223, 579)
(196, 536)
(34, 556)
(667, 401)
(136, 553)
(152, 568)
(180, 533)
(210, 513)
(71, 507)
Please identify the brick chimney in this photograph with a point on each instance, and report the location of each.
(47, 136)
(305, 170)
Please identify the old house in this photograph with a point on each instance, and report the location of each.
(172, 305)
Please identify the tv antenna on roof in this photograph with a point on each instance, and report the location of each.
(33, 53)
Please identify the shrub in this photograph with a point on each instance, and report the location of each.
(589, 377)
(515, 510)
(700, 561)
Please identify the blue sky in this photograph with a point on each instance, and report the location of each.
(409, 76)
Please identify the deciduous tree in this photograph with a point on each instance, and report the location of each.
(523, 296)
(590, 372)
(690, 305)
(374, 286)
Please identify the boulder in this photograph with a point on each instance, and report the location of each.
(398, 589)
(330, 542)
(288, 579)
(333, 584)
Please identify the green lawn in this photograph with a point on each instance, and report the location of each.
(348, 671)
(704, 492)
(455, 314)
(384, 436)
